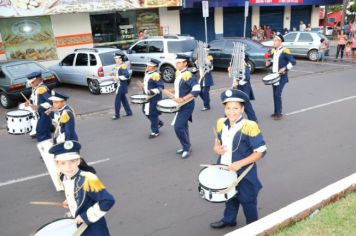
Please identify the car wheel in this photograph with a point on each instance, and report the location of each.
(6, 102)
(313, 55)
(94, 86)
(252, 66)
(168, 73)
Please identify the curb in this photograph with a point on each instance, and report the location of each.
(298, 210)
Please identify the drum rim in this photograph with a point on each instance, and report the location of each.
(200, 184)
(19, 116)
(144, 96)
(220, 201)
(106, 83)
(63, 218)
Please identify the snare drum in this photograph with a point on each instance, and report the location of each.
(139, 98)
(214, 179)
(107, 87)
(19, 122)
(59, 227)
(167, 106)
(271, 78)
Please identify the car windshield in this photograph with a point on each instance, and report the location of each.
(24, 69)
(181, 46)
(107, 58)
(322, 36)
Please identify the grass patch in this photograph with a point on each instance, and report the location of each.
(338, 218)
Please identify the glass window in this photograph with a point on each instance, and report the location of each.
(92, 60)
(217, 45)
(305, 37)
(107, 58)
(68, 60)
(181, 46)
(141, 47)
(290, 37)
(82, 59)
(229, 46)
(22, 70)
(155, 46)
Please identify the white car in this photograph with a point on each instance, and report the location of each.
(302, 43)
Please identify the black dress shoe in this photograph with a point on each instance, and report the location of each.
(221, 224)
(130, 114)
(153, 135)
(115, 118)
(278, 117)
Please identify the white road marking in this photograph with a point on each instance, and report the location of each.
(320, 105)
(23, 179)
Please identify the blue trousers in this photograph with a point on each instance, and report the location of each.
(121, 98)
(251, 115)
(43, 128)
(181, 127)
(277, 98)
(247, 198)
(205, 96)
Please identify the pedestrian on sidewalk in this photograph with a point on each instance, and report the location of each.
(322, 49)
(353, 46)
(341, 42)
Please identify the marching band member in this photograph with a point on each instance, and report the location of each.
(66, 118)
(239, 143)
(244, 85)
(121, 75)
(282, 61)
(152, 87)
(186, 87)
(86, 197)
(39, 103)
(205, 83)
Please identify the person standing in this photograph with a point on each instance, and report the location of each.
(121, 76)
(282, 61)
(153, 86)
(186, 87)
(205, 83)
(254, 32)
(341, 42)
(302, 26)
(240, 145)
(322, 49)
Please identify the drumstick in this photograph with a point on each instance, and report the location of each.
(185, 102)
(216, 135)
(168, 93)
(80, 230)
(25, 97)
(47, 203)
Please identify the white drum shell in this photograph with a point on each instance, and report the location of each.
(107, 87)
(271, 79)
(18, 122)
(167, 106)
(139, 98)
(59, 227)
(214, 179)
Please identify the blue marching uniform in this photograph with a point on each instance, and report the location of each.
(67, 124)
(243, 138)
(205, 84)
(44, 123)
(184, 84)
(153, 84)
(281, 58)
(122, 75)
(245, 86)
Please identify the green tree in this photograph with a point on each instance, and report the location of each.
(352, 7)
(334, 8)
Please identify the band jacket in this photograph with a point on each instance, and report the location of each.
(44, 124)
(122, 75)
(285, 60)
(92, 201)
(67, 123)
(153, 85)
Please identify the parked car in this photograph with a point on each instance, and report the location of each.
(13, 80)
(304, 44)
(88, 67)
(328, 30)
(221, 50)
(162, 48)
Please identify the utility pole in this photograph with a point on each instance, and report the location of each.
(344, 7)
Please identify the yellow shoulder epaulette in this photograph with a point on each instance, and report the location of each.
(220, 124)
(155, 76)
(286, 50)
(91, 182)
(64, 117)
(273, 51)
(123, 66)
(250, 128)
(41, 90)
(186, 75)
(210, 57)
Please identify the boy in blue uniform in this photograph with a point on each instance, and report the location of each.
(121, 75)
(66, 119)
(152, 86)
(240, 143)
(86, 197)
(40, 103)
(282, 61)
(205, 83)
(186, 87)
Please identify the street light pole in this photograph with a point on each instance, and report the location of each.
(344, 7)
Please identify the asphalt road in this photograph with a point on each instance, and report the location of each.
(156, 191)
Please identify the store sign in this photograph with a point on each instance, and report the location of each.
(51, 7)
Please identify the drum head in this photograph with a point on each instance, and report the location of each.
(167, 103)
(59, 227)
(18, 113)
(139, 96)
(216, 178)
(270, 77)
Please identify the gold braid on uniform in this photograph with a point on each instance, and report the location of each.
(91, 182)
(186, 75)
(220, 124)
(64, 117)
(250, 128)
(155, 76)
(41, 90)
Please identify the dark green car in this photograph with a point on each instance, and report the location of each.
(13, 80)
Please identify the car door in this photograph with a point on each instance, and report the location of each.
(138, 56)
(216, 50)
(289, 41)
(80, 69)
(63, 69)
(304, 43)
